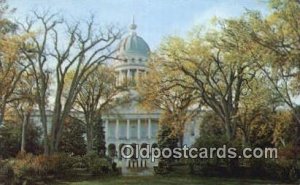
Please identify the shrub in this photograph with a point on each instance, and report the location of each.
(89, 157)
(162, 168)
(57, 164)
(22, 167)
(78, 162)
(286, 170)
(64, 163)
(279, 169)
(100, 166)
(210, 142)
(97, 165)
(6, 173)
(29, 168)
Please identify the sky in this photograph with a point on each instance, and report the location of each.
(155, 19)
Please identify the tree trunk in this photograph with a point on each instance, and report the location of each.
(23, 137)
(45, 131)
(246, 137)
(24, 131)
(2, 113)
(228, 129)
(89, 132)
(58, 135)
(62, 115)
(89, 121)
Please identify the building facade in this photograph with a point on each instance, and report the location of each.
(133, 125)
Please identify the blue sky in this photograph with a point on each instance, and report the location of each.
(155, 18)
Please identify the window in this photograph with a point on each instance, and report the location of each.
(111, 129)
(144, 128)
(122, 129)
(154, 128)
(133, 129)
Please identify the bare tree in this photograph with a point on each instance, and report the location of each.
(80, 48)
(98, 95)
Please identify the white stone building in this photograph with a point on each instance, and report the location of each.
(132, 125)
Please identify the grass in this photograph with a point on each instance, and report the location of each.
(166, 180)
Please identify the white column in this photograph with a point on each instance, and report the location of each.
(139, 129)
(117, 129)
(106, 129)
(128, 129)
(149, 128)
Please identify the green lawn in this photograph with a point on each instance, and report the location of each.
(158, 180)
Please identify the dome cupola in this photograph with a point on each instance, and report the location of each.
(132, 56)
(133, 45)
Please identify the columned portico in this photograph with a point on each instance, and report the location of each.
(133, 130)
(137, 123)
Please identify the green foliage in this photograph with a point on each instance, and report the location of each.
(166, 139)
(162, 168)
(97, 165)
(10, 137)
(100, 166)
(211, 125)
(99, 138)
(213, 136)
(280, 169)
(207, 143)
(73, 141)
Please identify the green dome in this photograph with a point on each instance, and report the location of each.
(134, 45)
